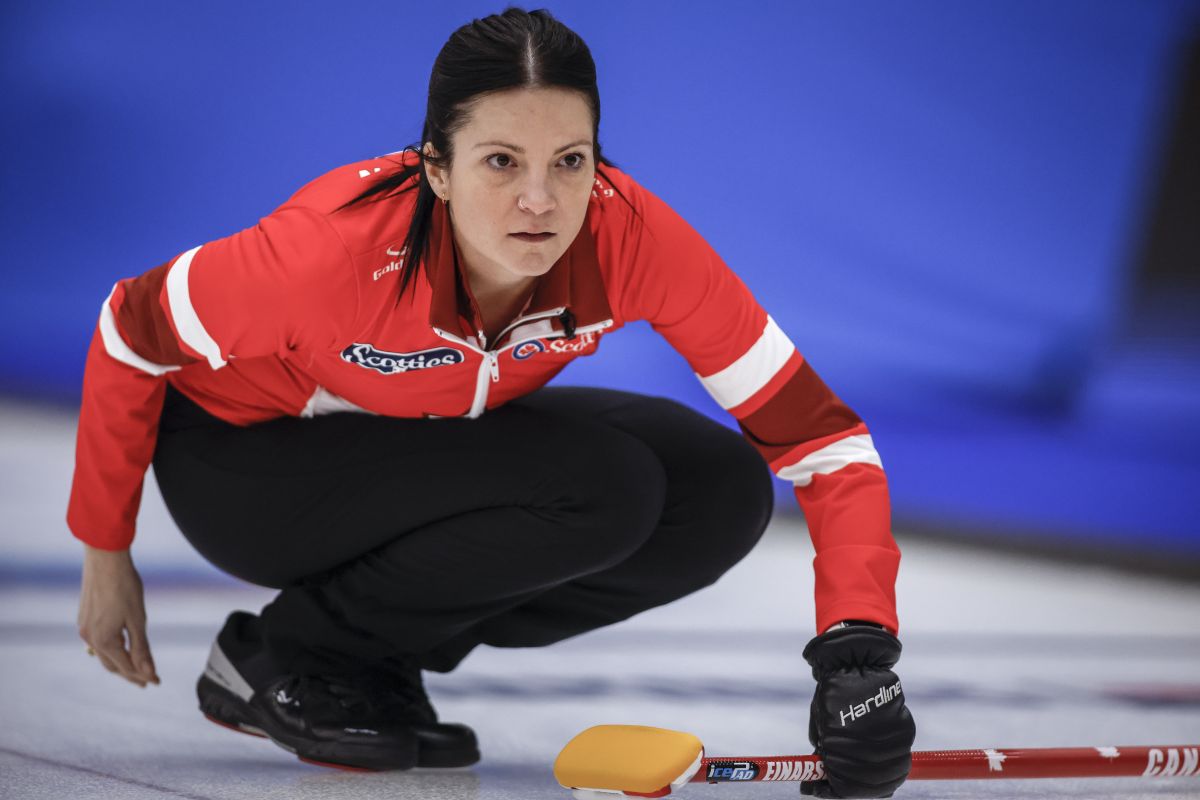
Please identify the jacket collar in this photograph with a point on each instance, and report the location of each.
(574, 282)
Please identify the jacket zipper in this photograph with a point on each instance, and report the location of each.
(554, 312)
(481, 379)
(489, 368)
(599, 326)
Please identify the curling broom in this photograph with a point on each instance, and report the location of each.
(639, 761)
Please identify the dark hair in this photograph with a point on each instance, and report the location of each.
(514, 49)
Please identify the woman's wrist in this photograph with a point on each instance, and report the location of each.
(111, 558)
(847, 623)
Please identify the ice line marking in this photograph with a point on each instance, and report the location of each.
(100, 774)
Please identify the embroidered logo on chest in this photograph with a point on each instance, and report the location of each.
(528, 349)
(366, 356)
(572, 346)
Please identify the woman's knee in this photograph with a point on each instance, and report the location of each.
(718, 493)
(731, 505)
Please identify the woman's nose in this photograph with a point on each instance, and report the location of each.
(536, 199)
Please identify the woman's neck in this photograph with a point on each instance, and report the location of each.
(500, 296)
(499, 302)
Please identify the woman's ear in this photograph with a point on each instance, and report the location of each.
(438, 178)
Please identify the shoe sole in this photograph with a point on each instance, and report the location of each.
(226, 709)
(249, 731)
(444, 758)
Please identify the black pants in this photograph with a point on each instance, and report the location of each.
(561, 512)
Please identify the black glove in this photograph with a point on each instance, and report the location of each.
(858, 721)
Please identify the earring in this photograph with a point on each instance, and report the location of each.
(445, 201)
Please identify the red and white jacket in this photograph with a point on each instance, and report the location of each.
(298, 316)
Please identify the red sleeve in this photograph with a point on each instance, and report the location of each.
(809, 437)
(282, 284)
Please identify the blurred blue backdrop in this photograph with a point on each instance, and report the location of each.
(941, 202)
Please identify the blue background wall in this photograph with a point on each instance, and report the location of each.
(940, 202)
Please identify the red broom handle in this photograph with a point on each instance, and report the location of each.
(1049, 762)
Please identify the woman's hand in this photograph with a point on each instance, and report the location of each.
(112, 615)
(858, 721)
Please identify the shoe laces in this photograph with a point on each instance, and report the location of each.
(368, 694)
(401, 691)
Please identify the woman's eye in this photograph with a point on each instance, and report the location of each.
(500, 161)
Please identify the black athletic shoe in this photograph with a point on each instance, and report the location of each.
(403, 697)
(338, 721)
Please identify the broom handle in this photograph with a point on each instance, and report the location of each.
(1048, 762)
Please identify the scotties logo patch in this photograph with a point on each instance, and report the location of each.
(382, 361)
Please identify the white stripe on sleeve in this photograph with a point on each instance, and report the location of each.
(187, 322)
(830, 458)
(324, 401)
(115, 346)
(738, 382)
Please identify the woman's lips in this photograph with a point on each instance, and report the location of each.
(533, 237)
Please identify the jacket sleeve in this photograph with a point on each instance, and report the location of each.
(280, 285)
(804, 432)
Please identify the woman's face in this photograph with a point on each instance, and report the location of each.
(522, 165)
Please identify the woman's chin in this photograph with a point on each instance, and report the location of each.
(533, 265)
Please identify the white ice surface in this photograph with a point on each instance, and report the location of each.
(999, 652)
